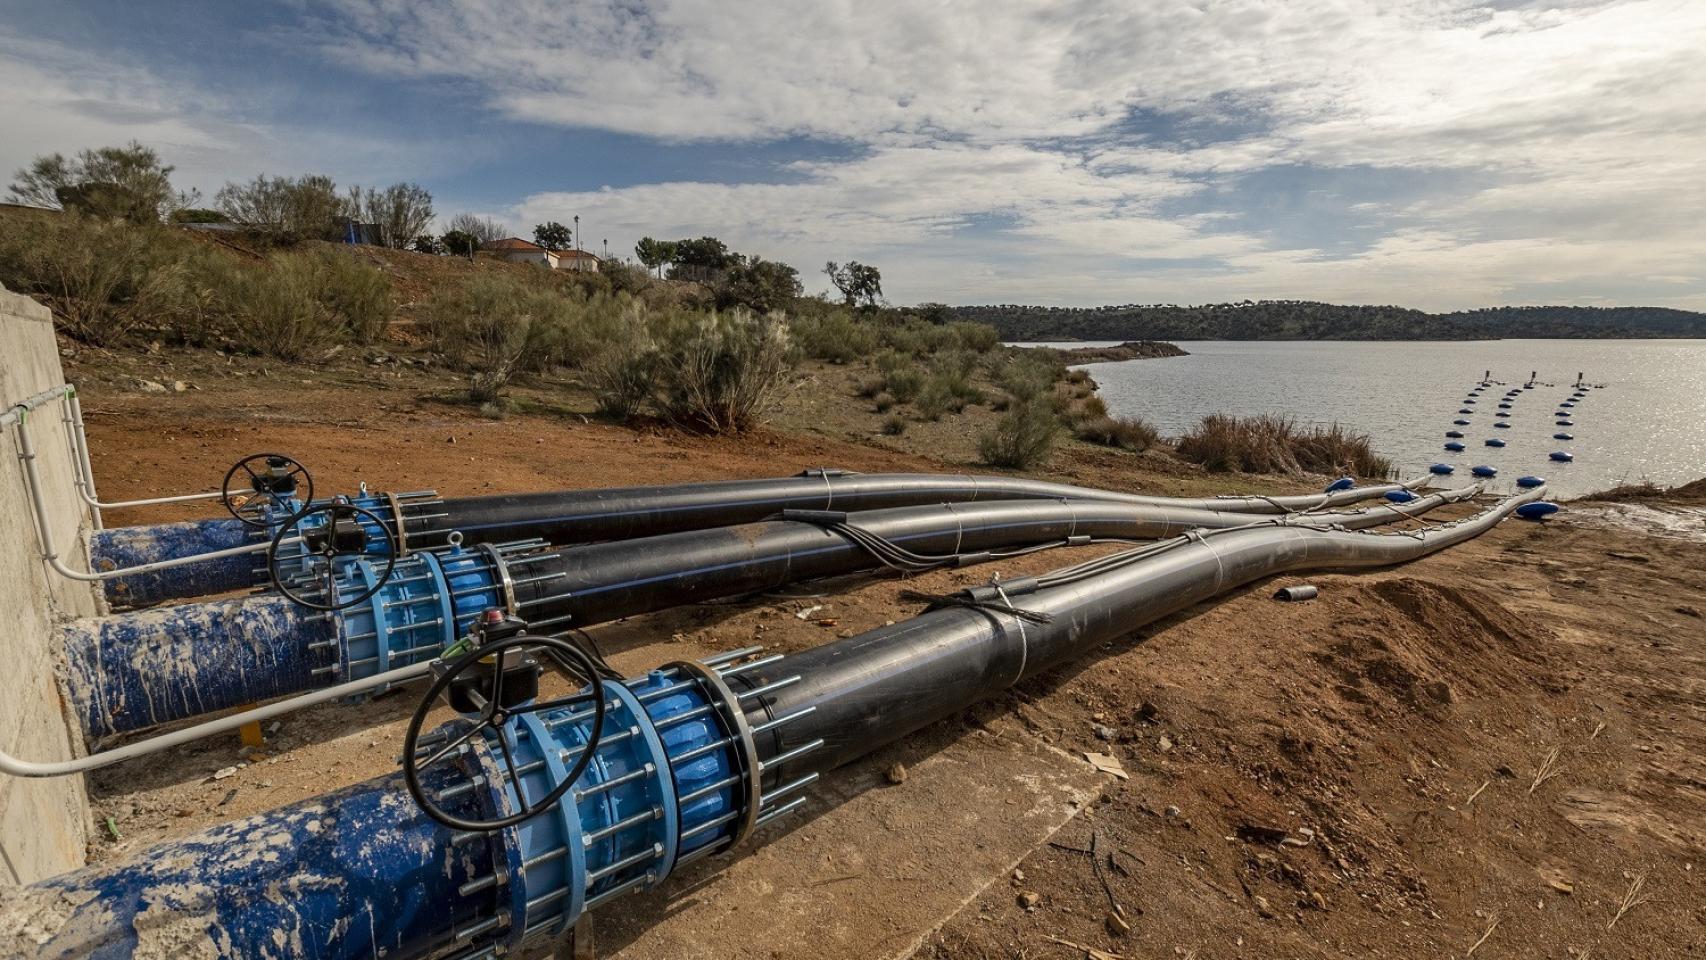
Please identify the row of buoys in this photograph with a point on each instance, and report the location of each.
(1454, 438)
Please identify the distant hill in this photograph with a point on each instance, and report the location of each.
(1307, 320)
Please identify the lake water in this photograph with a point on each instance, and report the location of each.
(1647, 421)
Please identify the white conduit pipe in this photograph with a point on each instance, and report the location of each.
(85, 483)
(30, 768)
(50, 553)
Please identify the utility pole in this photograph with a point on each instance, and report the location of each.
(577, 232)
(607, 248)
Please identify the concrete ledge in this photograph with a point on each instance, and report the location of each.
(44, 824)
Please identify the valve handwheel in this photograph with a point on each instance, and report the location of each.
(271, 479)
(329, 547)
(494, 714)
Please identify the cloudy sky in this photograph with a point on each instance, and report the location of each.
(1432, 153)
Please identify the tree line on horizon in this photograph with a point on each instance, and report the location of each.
(1311, 320)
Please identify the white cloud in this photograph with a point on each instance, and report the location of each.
(1588, 118)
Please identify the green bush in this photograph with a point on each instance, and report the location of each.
(883, 402)
(1026, 374)
(1022, 437)
(621, 376)
(976, 337)
(722, 372)
(934, 399)
(1094, 408)
(493, 326)
(894, 425)
(358, 294)
(901, 376)
(102, 280)
(835, 336)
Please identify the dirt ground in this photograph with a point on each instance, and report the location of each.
(1499, 751)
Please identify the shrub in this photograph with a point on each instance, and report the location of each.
(722, 372)
(102, 280)
(894, 425)
(493, 326)
(934, 399)
(621, 375)
(976, 337)
(1274, 444)
(1094, 408)
(834, 336)
(883, 402)
(358, 294)
(1022, 437)
(1077, 376)
(1026, 374)
(1129, 433)
(901, 376)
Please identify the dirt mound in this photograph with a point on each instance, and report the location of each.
(1692, 493)
(1419, 644)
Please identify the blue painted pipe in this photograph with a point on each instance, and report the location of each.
(141, 669)
(362, 873)
(122, 547)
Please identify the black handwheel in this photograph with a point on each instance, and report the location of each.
(493, 715)
(325, 548)
(270, 479)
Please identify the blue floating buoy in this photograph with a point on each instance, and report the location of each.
(1566, 423)
(1461, 423)
(1563, 436)
(1501, 414)
(1454, 434)
(1528, 386)
(1343, 483)
(1400, 496)
(1527, 482)
(1442, 469)
(1502, 425)
(1485, 471)
(1504, 406)
(1562, 456)
(1466, 410)
(1453, 446)
(1538, 510)
(1495, 442)
(1567, 403)
(1469, 400)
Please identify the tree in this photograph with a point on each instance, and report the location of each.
(553, 236)
(856, 281)
(706, 260)
(427, 243)
(299, 208)
(460, 243)
(484, 230)
(759, 285)
(401, 210)
(655, 253)
(127, 182)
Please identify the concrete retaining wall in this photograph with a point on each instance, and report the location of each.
(44, 824)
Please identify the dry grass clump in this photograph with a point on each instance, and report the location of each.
(1269, 443)
(1127, 433)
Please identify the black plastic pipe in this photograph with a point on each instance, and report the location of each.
(868, 690)
(580, 516)
(129, 671)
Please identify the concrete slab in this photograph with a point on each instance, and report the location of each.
(867, 869)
